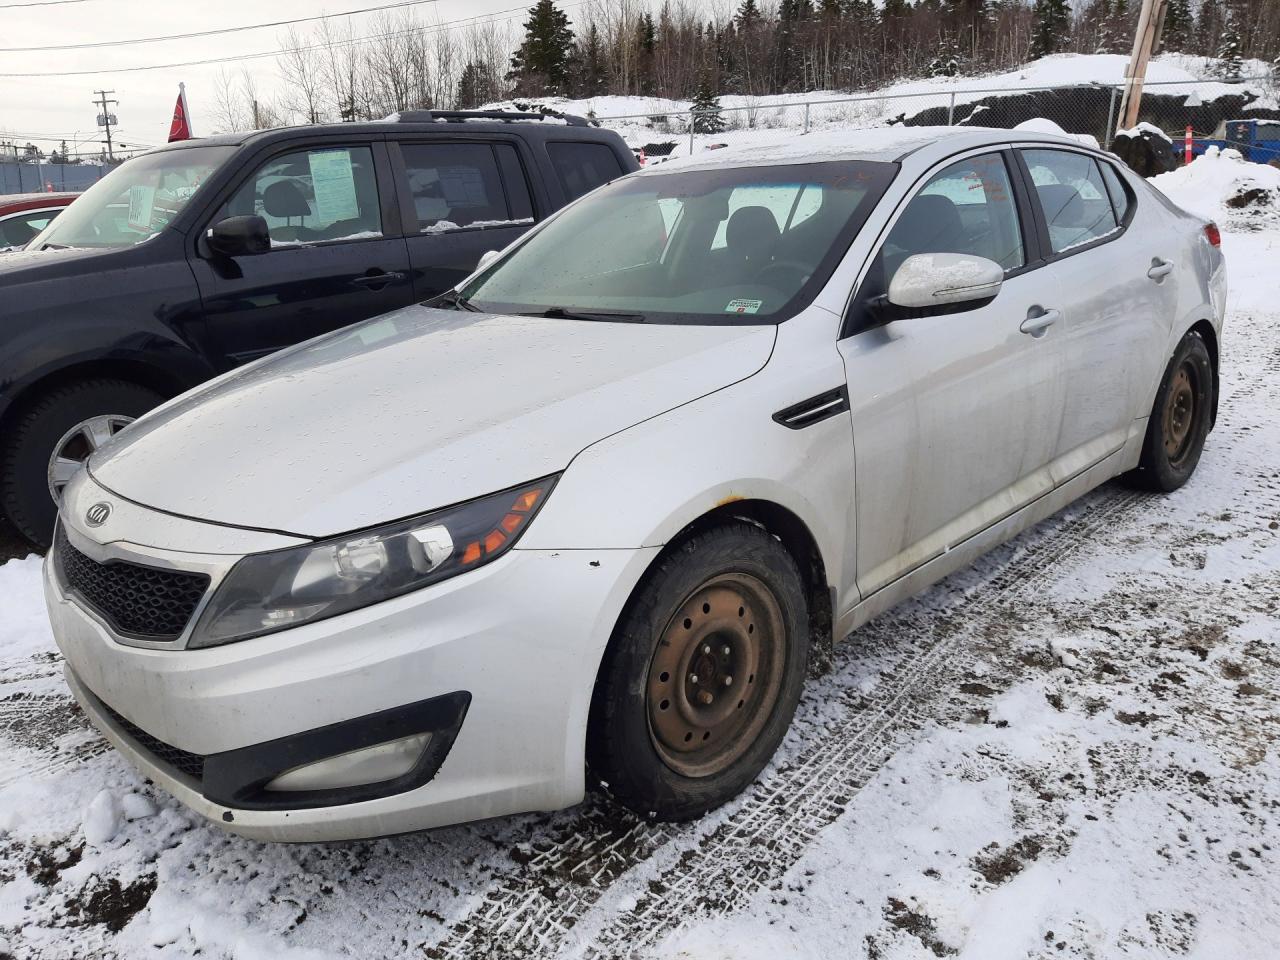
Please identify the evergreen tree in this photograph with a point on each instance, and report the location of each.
(1051, 27)
(1230, 64)
(946, 63)
(591, 77)
(1178, 26)
(705, 110)
(646, 44)
(748, 15)
(541, 65)
(1209, 24)
(476, 86)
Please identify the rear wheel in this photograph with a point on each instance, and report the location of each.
(1180, 418)
(53, 437)
(702, 676)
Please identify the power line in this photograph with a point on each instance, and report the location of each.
(216, 32)
(433, 28)
(38, 3)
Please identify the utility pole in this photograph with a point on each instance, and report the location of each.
(1150, 22)
(106, 118)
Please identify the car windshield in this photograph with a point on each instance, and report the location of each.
(135, 201)
(723, 245)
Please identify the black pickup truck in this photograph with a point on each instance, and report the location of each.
(199, 256)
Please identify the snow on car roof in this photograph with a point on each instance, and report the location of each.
(882, 144)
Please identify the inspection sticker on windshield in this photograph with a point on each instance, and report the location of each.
(743, 306)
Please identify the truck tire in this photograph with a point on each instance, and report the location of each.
(702, 675)
(45, 425)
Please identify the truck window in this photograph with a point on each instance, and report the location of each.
(581, 167)
(456, 186)
(313, 196)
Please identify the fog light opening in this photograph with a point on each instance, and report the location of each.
(376, 764)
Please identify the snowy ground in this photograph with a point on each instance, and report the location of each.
(1068, 750)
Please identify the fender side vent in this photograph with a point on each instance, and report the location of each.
(815, 409)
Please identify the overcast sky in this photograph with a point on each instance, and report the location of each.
(60, 106)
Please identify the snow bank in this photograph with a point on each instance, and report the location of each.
(1222, 186)
(1041, 125)
(1172, 74)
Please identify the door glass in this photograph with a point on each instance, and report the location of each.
(1119, 196)
(966, 208)
(313, 196)
(513, 179)
(22, 229)
(581, 167)
(455, 185)
(1072, 195)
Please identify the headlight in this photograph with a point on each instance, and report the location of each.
(271, 591)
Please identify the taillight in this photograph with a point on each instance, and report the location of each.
(1213, 234)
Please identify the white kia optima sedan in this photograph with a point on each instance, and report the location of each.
(586, 517)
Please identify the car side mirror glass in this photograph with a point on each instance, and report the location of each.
(487, 258)
(929, 281)
(239, 236)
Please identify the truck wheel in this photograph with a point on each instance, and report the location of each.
(702, 675)
(51, 439)
(1180, 419)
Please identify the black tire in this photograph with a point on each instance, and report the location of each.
(625, 752)
(1180, 419)
(24, 461)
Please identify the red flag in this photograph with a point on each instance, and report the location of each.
(180, 128)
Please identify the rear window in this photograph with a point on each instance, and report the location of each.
(581, 167)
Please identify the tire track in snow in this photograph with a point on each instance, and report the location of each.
(530, 911)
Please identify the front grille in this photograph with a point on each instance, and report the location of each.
(137, 601)
(192, 764)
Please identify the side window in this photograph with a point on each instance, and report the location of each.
(967, 207)
(312, 196)
(513, 179)
(581, 167)
(457, 185)
(1072, 195)
(1120, 199)
(22, 228)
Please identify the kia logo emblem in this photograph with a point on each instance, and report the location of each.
(97, 515)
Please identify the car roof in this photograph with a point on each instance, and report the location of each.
(14, 202)
(882, 144)
(546, 128)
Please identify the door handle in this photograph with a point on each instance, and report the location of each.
(375, 281)
(1160, 269)
(1037, 323)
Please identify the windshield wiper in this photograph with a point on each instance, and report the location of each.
(453, 300)
(560, 313)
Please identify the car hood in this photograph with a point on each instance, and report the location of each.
(412, 411)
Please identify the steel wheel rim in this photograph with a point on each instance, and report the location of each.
(1179, 414)
(76, 445)
(716, 674)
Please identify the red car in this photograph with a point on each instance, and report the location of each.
(23, 215)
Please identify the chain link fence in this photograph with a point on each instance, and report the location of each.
(1085, 110)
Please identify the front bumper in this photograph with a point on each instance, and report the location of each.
(522, 637)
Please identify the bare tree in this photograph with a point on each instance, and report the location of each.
(304, 85)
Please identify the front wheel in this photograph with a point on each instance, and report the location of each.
(53, 437)
(1180, 418)
(702, 676)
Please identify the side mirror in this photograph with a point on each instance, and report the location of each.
(927, 281)
(486, 258)
(239, 236)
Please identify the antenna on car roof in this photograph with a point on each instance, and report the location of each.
(458, 116)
